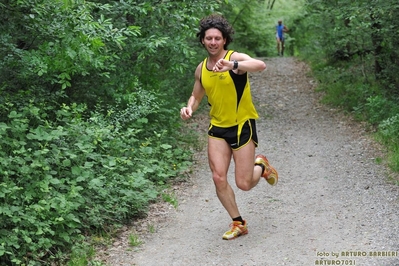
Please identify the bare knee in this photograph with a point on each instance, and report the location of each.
(220, 181)
(244, 184)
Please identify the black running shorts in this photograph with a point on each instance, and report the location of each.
(236, 136)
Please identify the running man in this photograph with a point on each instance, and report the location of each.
(280, 30)
(223, 77)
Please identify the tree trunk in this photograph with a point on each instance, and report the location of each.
(376, 38)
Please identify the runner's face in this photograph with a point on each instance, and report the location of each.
(213, 41)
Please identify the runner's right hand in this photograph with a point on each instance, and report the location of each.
(186, 113)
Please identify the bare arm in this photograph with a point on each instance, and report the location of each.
(245, 64)
(195, 98)
(285, 29)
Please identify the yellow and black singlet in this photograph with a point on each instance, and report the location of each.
(229, 96)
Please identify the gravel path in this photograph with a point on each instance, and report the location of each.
(333, 204)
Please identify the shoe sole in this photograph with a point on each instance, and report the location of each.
(273, 176)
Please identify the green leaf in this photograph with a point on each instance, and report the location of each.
(14, 114)
(55, 181)
(166, 146)
(76, 170)
(66, 162)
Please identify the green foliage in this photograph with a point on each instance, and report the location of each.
(62, 178)
(57, 49)
(255, 23)
(388, 134)
(134, 240)
(343, 90)
(360, 32)
(151, 228)
(170, 198)
(353, 50)
(379, 108)
(82, 255)
(89, 127)
(389, 130)
(164, 56)
(93, 49)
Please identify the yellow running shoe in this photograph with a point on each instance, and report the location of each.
(270, 174)
(237, 229)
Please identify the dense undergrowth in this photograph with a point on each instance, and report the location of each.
(62, 179)
(90, 132)
(353, 54)
(345, 88)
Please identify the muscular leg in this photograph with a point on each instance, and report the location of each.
(247, 174)
(219, 155)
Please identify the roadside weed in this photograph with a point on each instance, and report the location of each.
(134, 240)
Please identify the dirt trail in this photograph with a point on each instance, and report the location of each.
(333, 205)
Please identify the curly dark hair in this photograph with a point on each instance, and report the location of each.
(218, 22)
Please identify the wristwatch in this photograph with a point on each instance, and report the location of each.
(235, 66)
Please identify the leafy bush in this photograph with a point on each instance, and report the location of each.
(388, 134)
(389, 129)
(89, 130)
(356, 61)
(63, 178)
(342, 88)
(379, 109)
